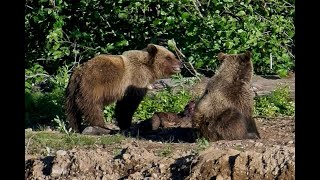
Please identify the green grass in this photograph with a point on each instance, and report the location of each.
(202, 144)
(165, 151)
(39, 141)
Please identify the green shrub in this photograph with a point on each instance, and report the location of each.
(163, 101)
(278, 103)
(72, 31)
(43, 105)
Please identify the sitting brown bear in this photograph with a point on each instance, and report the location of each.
(225, 109)
(115, 78)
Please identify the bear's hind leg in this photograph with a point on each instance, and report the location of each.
(74, 121)
(253, 132)
(231, 125)
(94, 115)
(73, 115)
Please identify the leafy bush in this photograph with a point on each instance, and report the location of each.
(278, 103)
(73, 31)
(163, 101)
(42, 104)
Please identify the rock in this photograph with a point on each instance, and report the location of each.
(154, 175)
(94, 130)
(61, 153)
(258, 144)
(112, 126)
(60, 164)
(219, 177)
(126, 156)
(28, 130)
(57, 171)
(162, 168)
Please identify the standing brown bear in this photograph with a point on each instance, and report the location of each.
(225, 109)
(115, 78)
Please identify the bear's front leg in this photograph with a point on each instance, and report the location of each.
(126, 107)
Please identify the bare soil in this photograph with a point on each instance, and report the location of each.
(172, 153)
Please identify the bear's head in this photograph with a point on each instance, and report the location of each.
(163, 61)
(237, 65)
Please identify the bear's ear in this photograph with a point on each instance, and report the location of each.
(221, 56)
(152, 50)
(246, 56)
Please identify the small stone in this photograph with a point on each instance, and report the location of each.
(219, 177)
(162, 168)
(61, 153)
(154, 175)
(94, 130)
(125, 156)
(150, 86)
(290, 142)
(28, 130)
(276, 146)
(56, 171)
(48, 128)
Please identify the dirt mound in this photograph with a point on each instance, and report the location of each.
(133, 162)
(273, 163)
(138, 163)
(272, 157)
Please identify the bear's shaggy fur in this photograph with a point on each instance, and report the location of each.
(225, 109)
(115, 78)
(169, 119)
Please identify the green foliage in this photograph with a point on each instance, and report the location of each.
(278, 103)
(109, 112)
(70, 31)
(165, 152)
(163, 101)
(202, 143)
(42, 103)
(61, 125)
